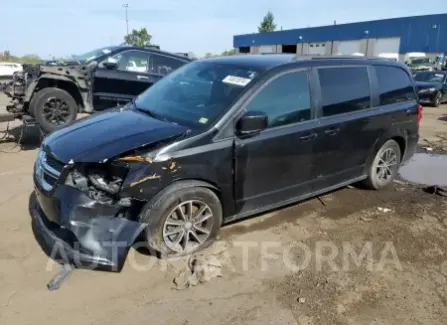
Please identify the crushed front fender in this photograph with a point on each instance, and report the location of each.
(82, 232)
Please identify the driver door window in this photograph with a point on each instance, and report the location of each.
(285, 100)
(133, 61)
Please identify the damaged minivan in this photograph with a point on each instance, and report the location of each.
(218, 140)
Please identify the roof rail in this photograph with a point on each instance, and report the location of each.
(157, 47)
(336, 57)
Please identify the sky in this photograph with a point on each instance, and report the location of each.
(62, 28)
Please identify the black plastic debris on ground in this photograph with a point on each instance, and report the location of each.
(436, 190)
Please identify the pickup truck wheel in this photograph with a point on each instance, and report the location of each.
(182, 220)
(32, 103)
(54, 108)
(384, 167)
(437, 100)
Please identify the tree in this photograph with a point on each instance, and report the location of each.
(267, 24)
(6, 56)
(30, 58)
(229, 52)
(140, 38)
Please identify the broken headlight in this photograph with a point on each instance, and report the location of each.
(101, 182)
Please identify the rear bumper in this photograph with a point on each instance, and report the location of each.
(412, 143)
(77, 230)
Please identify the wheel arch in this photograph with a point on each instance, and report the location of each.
(195, 182)
(189, 182)
(63, 83)
(400, 136)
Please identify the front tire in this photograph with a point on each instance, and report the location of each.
(54, 108)
(182, 220)
(437, 100)
(385, 166)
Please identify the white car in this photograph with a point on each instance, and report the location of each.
(7, 69)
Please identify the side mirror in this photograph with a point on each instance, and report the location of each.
(110, 63)
(252, 122)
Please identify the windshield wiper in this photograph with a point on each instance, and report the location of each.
(147, 111)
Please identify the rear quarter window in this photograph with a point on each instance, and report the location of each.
(394, 85)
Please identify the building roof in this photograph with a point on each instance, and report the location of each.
(417, 33)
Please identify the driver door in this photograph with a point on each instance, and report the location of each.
(118, 85)
(274, 166)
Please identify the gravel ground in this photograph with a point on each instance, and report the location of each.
(275, 269)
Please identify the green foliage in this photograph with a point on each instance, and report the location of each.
(6, 56)
(140, 38)
(267, 23)
(229, 52)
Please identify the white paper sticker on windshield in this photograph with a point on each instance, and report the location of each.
(107, 51)
(238, 81)
(203, 120)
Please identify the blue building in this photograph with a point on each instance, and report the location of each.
(397, 36)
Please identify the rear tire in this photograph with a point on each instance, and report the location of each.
(53, 108)
(163, 217)
(384, 167)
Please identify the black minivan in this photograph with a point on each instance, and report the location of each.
(218, 140)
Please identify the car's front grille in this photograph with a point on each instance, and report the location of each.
(49, 179)
(54, 163)
(51, 171)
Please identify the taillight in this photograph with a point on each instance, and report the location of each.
(419, 114)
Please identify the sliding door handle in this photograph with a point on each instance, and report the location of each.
(142, 77)
(332, 131)
(309, 137)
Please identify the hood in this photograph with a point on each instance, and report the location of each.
(64, 70)
(106, 135)
(425, 85)
(61, 63)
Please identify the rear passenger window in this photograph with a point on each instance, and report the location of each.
(344, 90)
(285, 100)
(163, 65)
(395, 85)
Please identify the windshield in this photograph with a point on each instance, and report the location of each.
(420, 61)
(196, 94)
(95, 54)
(429, 77)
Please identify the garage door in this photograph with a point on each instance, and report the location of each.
(267, 49)
(317, 48)
(349, 47)
(386, 45)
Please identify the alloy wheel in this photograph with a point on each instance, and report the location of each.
(386, 166)
(56, 111)
(188, 226)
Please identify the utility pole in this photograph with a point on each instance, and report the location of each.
(127, 21)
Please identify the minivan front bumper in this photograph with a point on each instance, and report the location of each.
(77, 230)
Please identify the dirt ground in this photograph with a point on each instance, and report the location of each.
(276, 268)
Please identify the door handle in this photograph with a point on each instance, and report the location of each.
(142, 77)
(332, 131)
(309, 137)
